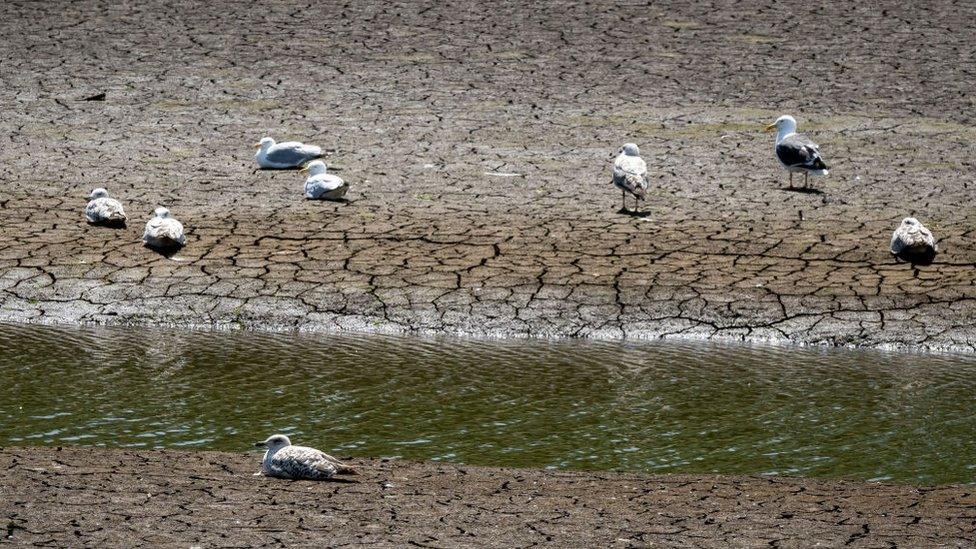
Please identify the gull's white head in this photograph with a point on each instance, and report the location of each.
(910, 222)
(784, 125)
(315, 167)
(630, 149)
(274, 442)
(265, 143)
(161, 212)
(99, 193)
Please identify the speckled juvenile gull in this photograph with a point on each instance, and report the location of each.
(630, 174)
(102, 210)
(321, 185)
(290, 154)
(795, 151)
(282, 460)
(913, 243)
(163, 231)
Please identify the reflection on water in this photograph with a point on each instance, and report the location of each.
(654, 407)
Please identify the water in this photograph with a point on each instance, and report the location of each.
(654, 407)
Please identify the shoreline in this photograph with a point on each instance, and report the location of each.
(357, 326)
(95, 496)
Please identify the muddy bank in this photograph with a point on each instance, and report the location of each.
(421, 122)
(98, 497)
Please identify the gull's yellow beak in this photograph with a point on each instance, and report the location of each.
(304, 169)
(258, 145)
(769, 128)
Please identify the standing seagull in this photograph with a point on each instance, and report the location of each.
(283, 156)
(913, 243)
(102, 210)
(283, 460)
(163, 232)
(321, 185)
(630, 175)
(795, 151)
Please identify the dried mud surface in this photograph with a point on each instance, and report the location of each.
(112, 498)
(421, 104)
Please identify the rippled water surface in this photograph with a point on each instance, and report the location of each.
(653, 407)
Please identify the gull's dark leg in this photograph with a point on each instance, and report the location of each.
(791, 179)
(806, 176)
(623, 197)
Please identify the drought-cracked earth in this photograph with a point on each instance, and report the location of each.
(422, 105)
(86, 497)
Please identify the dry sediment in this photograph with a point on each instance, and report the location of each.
(114, 498)
(420, 102)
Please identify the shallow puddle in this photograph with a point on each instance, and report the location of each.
(635, 406)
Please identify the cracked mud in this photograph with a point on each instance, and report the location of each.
(102, 498)
(421, 122)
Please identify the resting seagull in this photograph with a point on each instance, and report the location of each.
(163, 232)
(795, 151)
(630, 174)
(913, 243)
(283, 156)
(102, 210)
(282, 460)
(321, 185)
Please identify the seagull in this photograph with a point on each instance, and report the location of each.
(913, 243)
(163, 232)
(795, 151)
(102, 210)
(290, 154)
(630, 174)
(321, 185)
(282, 460)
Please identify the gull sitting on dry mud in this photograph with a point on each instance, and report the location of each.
(282, 460)
(913, 243)
(630, 175)
(102, 210)
(321, 185)
(795, 151)
(283, 156)
(163, 232)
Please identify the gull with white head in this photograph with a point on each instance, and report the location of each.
(283, 156)
(321, 185)
(163, 232)
(630, 175)
(282, 460)
(795, 151)
(913, 243)
(103, 210)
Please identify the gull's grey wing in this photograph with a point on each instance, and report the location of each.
(796, 151)
(293, 153)
(630, 174)
(105, 210)
(296, 462)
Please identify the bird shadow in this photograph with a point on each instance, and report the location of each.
(917, 259)
(168, 251)
(802, 190)
(294, 169)
(633, 213)
(109, 224)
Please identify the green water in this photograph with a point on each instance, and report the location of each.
(653, 407)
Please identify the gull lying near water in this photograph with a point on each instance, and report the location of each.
(321, 185)
(102, 210)
(282, 460)
(290, 154)
(795, 151)
(630, 174)
(913, 243)
(163, 232)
